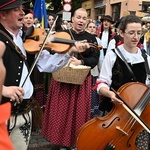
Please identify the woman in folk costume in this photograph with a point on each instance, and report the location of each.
(105, 33)
(115, 73)
(68, 105)
(91, 28)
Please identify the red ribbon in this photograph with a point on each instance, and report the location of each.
(119, 43)
(96, 84)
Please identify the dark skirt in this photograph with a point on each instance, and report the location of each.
(68, 107)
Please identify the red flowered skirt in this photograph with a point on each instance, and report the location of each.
(68, 107)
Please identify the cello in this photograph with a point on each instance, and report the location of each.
(118, 130)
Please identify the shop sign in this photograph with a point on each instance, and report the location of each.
(67, 16)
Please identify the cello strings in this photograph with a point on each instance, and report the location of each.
(130, 123)
(144, 101)
(132, 120)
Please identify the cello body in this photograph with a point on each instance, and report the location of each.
(117, 130)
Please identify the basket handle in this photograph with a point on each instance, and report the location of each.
(68, 64)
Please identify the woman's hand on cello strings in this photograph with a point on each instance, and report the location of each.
(79, 47)
(114, 98)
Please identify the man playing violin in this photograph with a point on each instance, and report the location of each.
(15, 62)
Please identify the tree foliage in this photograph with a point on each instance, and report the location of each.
(55, 5)
(76, 4)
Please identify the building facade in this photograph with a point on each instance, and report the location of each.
(116, 8)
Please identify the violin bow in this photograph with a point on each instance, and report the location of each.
(132, 112)
(39, 53)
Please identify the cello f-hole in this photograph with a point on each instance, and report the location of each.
(107, 126)
(93, 136)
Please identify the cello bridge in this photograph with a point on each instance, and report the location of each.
(118, 128)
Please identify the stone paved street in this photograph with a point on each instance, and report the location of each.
(38, 142)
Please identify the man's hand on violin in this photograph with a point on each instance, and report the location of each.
(15, 93)
(79, 47)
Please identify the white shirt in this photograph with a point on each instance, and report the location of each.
(111, 45)
(108, 63)
(51, 63)
(104, 39)
(28, 87)
(104, 42)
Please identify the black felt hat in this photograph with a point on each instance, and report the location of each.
(10, 4)
(107, 17)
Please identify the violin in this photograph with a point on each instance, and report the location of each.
(55, 42)
(33, 38)
(118, 130)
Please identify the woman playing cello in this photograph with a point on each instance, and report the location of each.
(114, 72)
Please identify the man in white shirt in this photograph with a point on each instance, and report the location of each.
(15, 62)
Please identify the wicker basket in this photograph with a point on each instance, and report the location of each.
(72, 74)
